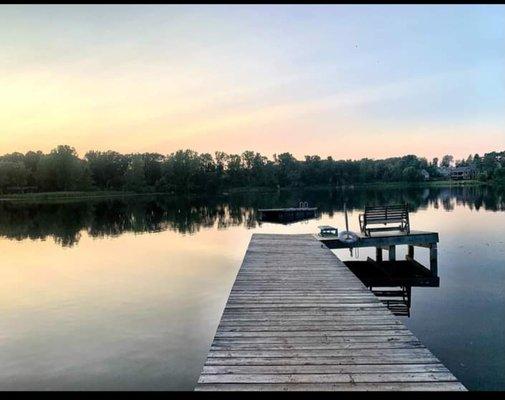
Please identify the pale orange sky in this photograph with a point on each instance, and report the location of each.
(309, 80)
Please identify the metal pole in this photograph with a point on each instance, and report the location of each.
(346, 220)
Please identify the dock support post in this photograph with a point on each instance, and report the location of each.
(411, 252)
(392, 253)
(378, 254)
(433, 259)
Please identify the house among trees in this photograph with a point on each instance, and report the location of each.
(458, 173)
(425, 174)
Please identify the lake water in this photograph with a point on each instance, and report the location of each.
(127, 293)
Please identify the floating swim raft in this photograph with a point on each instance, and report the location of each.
(285, 215)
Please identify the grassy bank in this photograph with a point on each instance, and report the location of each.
(444, 183)
(62, 196)
(47, 196)
(394, 185)
(386, 185)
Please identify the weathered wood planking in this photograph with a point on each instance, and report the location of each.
(298, 319)
(383, 239)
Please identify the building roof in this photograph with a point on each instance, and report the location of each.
(469, 168)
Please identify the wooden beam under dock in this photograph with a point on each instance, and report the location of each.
(383, 239)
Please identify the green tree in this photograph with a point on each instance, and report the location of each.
(12, 174)
(410, 174)
(288, 172)
(135, 178)
(152, 167)
(31, 161)
(107, 169)
(499, 176)
(179, 171)
(62, 170)
(235, 170)
(446, 160)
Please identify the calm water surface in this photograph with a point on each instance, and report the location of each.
(128, 293)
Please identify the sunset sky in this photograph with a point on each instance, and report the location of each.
(345, 81)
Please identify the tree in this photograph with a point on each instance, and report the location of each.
(31, 161)
(221, 160)
(410, 174)
(107, 168)
(62, 170)
(180, 170)
(135, 178)
(499, 175)
(206, 178)
(477, 162)
(12, 174)
(13, 157)
(187, 171)
(152, 167)
(235, 170)
(446, 160)
(287, 171)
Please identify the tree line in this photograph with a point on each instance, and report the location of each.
(186, 171)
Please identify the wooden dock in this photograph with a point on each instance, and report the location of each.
(388, 241)
(298, 319)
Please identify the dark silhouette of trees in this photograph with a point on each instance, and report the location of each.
(62, 170)
(107, 169)
(12, 174)
(446, 160)
(187, 171)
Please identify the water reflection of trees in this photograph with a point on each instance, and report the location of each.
(66, 221)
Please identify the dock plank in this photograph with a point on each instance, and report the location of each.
(298, 319)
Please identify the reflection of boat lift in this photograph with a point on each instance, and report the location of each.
(397, 299)
(392, 281)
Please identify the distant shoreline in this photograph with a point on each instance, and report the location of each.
(70, 195)
(84, 195)
(189, 173)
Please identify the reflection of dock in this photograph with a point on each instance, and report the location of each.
(298, 319)
(398, 276)
(287, 215)
(396, 299)
(393, 273)
(391, 281)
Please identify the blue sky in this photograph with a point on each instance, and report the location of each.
(346, 81)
